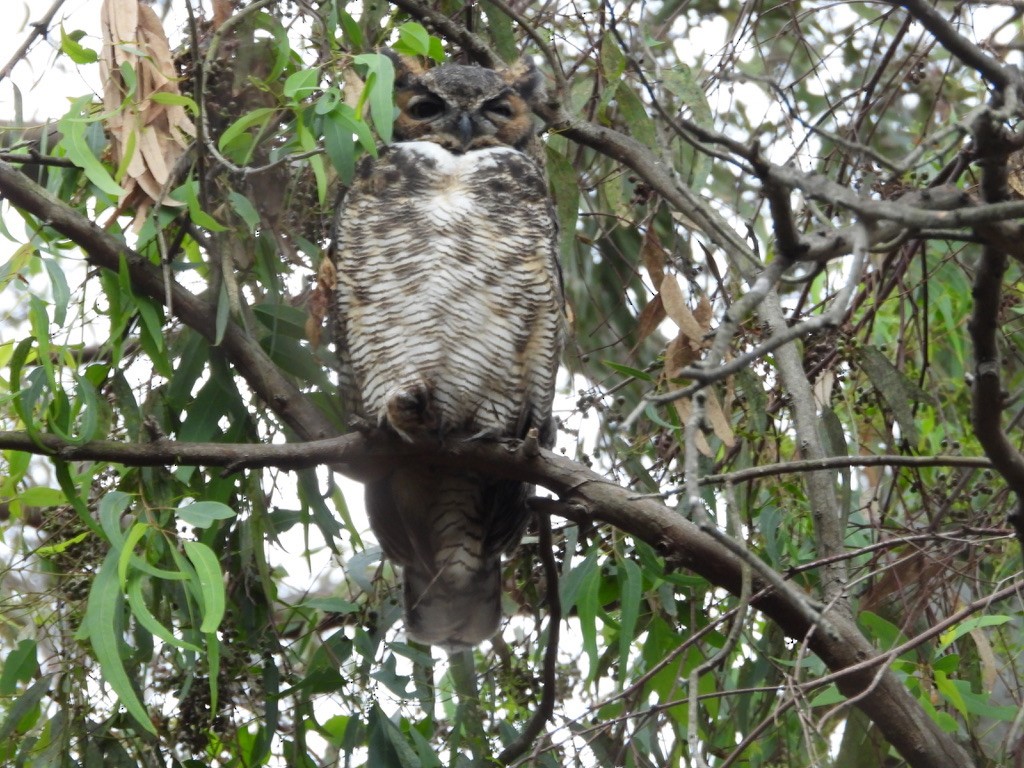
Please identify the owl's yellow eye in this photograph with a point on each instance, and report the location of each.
(425, 107)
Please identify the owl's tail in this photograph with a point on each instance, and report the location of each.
(454, 608)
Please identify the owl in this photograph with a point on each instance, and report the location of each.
(449, 321)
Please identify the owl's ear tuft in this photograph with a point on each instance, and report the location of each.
(526, 79)
(407, 68)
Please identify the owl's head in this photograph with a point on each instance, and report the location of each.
(464, 108)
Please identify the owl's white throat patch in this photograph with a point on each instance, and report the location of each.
(448, 162)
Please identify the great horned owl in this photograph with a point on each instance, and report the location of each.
(449, 319)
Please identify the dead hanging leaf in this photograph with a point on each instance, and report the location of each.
(678, 355)
(702, 314)
(684, 350)
(653, 255)
(148, 136)
(719, 421)
(650, 318)
(715, 417)
(679, 313)
(320, 299)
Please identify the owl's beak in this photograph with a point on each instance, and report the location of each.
(464, 128)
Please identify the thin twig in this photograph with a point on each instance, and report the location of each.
(39, 29)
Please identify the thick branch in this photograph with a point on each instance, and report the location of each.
(988, 398)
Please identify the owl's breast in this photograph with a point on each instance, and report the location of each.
(448, 284)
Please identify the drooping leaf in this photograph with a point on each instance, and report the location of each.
(210, 584)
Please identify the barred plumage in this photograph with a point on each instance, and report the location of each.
(449, 319)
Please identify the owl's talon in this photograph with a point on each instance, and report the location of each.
(360, 424)
(530, 446)
(410, 410)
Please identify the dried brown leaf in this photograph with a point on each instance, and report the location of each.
(653, 255)
(718, 420)
(679, 312)
(678, 355)
(155, 134)
(684, 408)
(702, 314)
(650, 318)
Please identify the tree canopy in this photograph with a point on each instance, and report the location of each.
(782, 524)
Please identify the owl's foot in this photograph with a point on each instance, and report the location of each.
(410, 410)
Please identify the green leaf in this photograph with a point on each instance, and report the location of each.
(41, 496)
(188, 193)
(953, 634)
(631, 584)
(23, 706)
(129, 77)
(413, 39)
(55, 549)
(103, 628)
(380, 83)
(350, 29)
(587, 605)
(223, 314)
(282, 319)
(949, 692)
(245, 209)
(328, 101)
(681, 82)
(111, 507)
(301, 84)
(203, 514)
(500, 30)
(21, 259)
(633, 114)
(613, 62)
(61, 292)
(135, 534)
(211, 584)
(339, 145)
(213, 662)
(72, 127)
(896, 390)
(142, 614)
(74, 50)
(827, 697)
(571, 581)
(565, 189)
(625, 370)
(330, 605)
(20, 666)
(258, 117)
(176, 100)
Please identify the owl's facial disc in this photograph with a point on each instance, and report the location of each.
(468, 125)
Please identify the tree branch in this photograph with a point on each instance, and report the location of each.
(988, 398)
(591, 497)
